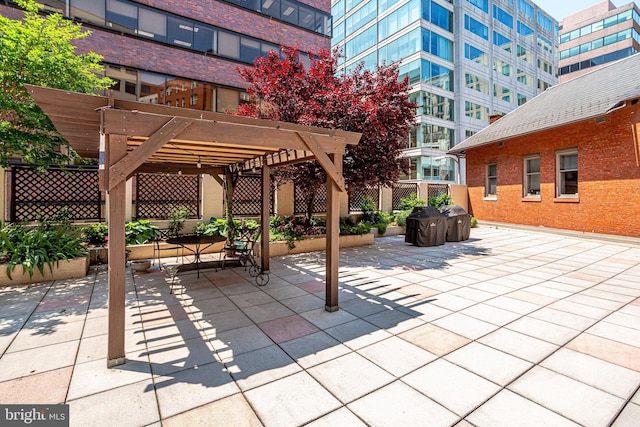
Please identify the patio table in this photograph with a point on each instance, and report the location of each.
(199, 244)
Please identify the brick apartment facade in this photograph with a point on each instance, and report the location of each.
(604, 194)
(124, 47)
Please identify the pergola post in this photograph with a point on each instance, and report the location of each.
(264, 216)
(333, 236)
(116, 149)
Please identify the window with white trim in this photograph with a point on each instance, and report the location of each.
(567, 173)
(491, 189)
(532, 176)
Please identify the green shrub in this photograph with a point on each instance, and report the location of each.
(474, 222)
(410, 202)
(37, 246)
(382, 227)
(401, 217)
(348, 228)
(441, 200)
(95, 234)
(139, 232)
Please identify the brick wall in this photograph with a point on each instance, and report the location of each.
(608, 177)
(140, 53)
(226, 15)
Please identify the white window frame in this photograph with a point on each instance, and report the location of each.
(560, 173)
(528, 174)
(488, 177)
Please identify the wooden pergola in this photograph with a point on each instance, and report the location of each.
(130, 137)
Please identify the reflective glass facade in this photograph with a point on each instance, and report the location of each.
(610, 35)
(488, 40)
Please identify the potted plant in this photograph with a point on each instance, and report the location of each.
(39, 246)
(177, 218)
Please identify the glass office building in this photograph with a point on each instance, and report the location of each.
(466, 60)
(598, 35)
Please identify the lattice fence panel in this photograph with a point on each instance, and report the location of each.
(401, 190)
(319, 203)
(157, 194)
(434, 190)
(34, 195)
(357, 197)
(247, 198)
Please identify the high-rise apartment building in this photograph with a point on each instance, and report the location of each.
(186, 53)
(466, 60)
(597, 35)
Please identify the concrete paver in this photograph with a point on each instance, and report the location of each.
(509, 328)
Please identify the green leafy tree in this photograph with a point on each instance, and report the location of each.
(39, 50)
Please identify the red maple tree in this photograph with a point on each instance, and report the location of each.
(374, 103)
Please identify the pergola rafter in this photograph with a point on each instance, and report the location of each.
(130, 137)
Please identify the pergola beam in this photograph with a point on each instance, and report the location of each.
(129, 163)
(321, 156)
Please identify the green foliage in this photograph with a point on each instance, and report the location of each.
(177, 218)
(348, 228)
(371, 214)
(474, 222)
(40, 51)
(382, 227)
(95, 234)
(410, 202)
(139, 232)
(440, 201)
(36, 246)
(285, 229)
(401, 217)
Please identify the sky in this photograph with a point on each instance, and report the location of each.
(558, 9)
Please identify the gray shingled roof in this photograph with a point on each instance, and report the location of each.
(582, 98)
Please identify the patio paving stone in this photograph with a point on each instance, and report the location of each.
(453, 387)
(94, 377)
(311, 350)
(232, 411)
(409, 408)
(489, 363)
(397, 356)
(628, 417)
(280, 403)
(507, 409)
(287, 328)
(490, 314)
(465, 326)
(41, 359)
(259, 367)
(194, 387)
(134, 404)
(45, 388)
(342, 417)
(583, 404)
(350, 377)
(434, 339)
(609, 350)
(240, 340)
(613, 379)
(519, 345)
(546, 331)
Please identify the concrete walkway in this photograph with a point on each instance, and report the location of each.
(510, 328)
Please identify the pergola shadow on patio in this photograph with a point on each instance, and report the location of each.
(130, 137)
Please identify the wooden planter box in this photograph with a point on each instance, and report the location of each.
(66, 269)
(314, 244)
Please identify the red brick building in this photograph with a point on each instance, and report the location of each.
(568, 159)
